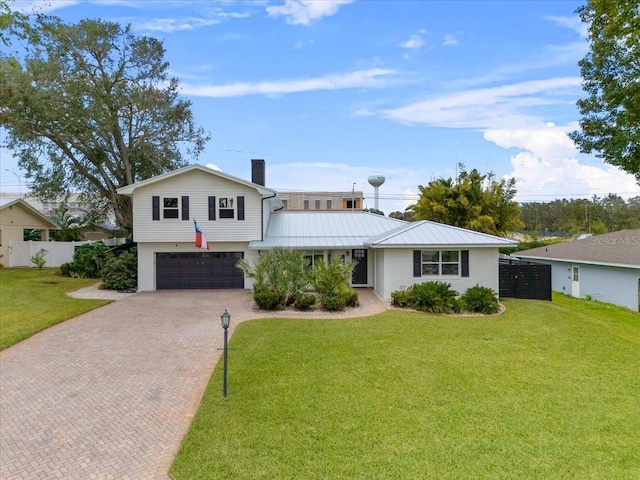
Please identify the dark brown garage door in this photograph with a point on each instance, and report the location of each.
(179, 271)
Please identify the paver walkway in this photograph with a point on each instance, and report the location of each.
(110, 394)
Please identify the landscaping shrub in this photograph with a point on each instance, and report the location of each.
(304, 301)
(481, 300)
(332, 303)
(280, 271)
(119, 273)
(268, 300)
(68, 270)
(88, 260)
(434, 297)
(401, 298)
(331, 281)
(351, 297)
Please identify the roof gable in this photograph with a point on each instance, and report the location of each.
(130, 189)
(620, 248)
(425, 232)
(19, 202)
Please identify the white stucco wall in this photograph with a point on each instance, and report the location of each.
(147, 258)
(397, 266)
(607, 284)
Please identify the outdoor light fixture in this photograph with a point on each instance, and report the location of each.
(226, 320)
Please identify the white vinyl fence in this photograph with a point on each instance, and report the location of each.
(20, 253)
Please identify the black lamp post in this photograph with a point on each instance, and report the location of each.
(226, 320)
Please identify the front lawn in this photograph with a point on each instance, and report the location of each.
(547, 390)
(32, 300)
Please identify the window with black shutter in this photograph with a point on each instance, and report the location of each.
(212, 208)
(185, 208)
(240, 208)
(155, 207)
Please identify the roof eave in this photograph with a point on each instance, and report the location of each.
(571, 260)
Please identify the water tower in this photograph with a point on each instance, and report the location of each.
(375, 181)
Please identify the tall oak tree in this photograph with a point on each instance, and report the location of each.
(90, 107)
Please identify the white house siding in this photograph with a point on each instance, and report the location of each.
(615, 285)
(198, 186)
(147, 258)
(397, 265)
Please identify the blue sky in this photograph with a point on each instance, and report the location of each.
(329, 93)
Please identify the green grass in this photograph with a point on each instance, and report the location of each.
(547, 390)
(33, 300)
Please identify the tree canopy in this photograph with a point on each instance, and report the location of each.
(472, 200)
(570, 216)
(610, 123)
(90, 108)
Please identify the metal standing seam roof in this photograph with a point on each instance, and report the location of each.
(323, 229)
(358, 229)
(430, 233)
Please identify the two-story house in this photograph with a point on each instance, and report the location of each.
(240, 218)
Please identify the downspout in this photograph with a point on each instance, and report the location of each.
(262, 214)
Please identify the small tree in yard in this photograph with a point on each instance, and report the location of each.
(279, 277)
(38, 259)
(331, 281)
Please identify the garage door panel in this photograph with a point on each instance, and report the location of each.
(198, 270)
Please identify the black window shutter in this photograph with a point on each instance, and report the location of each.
(155, 207)
(240, 208)
(464, 256)
(417, 263)
(212, 208)
(185, 208)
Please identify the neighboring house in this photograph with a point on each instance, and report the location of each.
(603, 267)
(240, 218)
(321, 200)
(16, 215)
(97, 232)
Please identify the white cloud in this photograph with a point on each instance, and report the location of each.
(358, 79)
(495, 107)
(304, 12)
(415, 42)
(547, 168)
(573, 23)
(449, 40)
(170, 25)
(213, 166)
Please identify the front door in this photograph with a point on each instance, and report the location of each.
(359, 276)
(575, 281)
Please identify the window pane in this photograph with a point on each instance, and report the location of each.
(450, 269)
(430, 256)
(171, 213)
(225, 202)
(170, 202)
(430, 269)
(450, 256)
(226, 213)
(328, 204)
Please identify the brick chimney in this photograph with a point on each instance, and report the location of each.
(257, 171)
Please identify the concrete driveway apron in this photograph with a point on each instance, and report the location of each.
(110, 394)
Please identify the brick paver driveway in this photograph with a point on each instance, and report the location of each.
(111, 393)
